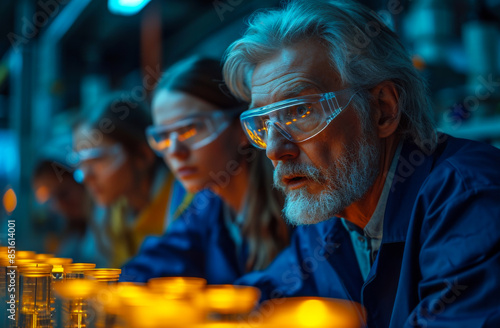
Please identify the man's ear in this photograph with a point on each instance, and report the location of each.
(385, 109)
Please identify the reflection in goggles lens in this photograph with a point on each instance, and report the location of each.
(100, 160)
(297, 119)
(194, 132)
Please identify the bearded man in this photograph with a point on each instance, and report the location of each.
(392, 214)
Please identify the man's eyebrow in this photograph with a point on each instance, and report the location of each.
(297, 90)
(292, 92)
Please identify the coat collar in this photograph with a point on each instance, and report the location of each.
(413, 168)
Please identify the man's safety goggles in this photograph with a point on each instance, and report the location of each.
(193, 131)
(297, 119)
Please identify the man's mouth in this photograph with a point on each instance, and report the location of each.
(294, 181)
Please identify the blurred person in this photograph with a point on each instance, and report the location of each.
(392, 214)
(55, 186)
(198, 134)
(123, 175)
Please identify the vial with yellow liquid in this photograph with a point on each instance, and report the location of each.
(34, 295)
(72, 303)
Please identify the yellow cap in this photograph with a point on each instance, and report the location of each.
(229, 324)
(18, 257)
(302, 312)
(25, 255)
(103, 274)
(21, 262)
(157, 312)
(77, 267)
(123, 293)
(177, 286)
(4, 260)
(57, 263)
(43, 256)
(78, 288)
(35, 270)
(229, 299)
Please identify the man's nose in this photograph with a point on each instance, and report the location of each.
(278, 147)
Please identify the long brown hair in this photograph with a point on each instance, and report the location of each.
(263, 228)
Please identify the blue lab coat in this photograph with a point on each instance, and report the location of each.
(197, 244)
(439, 261)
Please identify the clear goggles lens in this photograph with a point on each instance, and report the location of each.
(193, 132)
(297, 119)
(98, 152)
(100, 160)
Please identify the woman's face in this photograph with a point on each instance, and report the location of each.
(209, 166)
(108, 172)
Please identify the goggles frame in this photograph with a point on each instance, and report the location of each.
(215, 122)
(98, 152)
(332, 104)
(116, 152)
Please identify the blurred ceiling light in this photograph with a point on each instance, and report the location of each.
(126, 7)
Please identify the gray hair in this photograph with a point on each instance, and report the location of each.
(363, 52)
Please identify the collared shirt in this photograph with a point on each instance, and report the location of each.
(366, 242)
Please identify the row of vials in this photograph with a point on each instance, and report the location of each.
(42, 291)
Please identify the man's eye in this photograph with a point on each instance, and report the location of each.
(300, 111)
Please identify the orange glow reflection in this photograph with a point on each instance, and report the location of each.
(42, 194)
(9, 200)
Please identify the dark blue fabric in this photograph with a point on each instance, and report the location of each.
(197, 244)
(176, 199)
(439, 262)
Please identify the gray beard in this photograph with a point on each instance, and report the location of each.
(346, 182)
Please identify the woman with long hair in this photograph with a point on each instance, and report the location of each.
(197, 132)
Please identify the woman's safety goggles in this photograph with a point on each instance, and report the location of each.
(100, 160)
(193, 131)
(297, 119)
